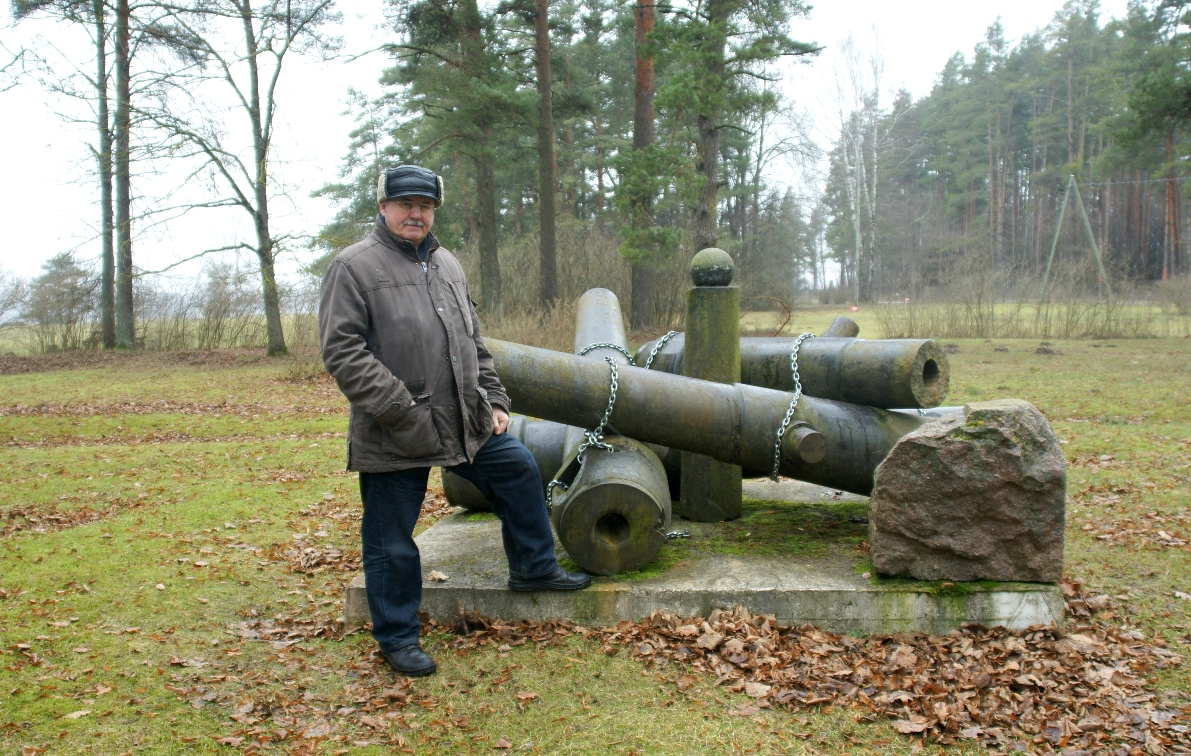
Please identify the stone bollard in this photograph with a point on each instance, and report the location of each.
(711, 489)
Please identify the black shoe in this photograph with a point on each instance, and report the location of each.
(559, 580)
(410, 661)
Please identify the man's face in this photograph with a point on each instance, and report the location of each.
(409, 218)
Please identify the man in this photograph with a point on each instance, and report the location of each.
(401, 337)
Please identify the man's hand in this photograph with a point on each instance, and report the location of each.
(500, 421)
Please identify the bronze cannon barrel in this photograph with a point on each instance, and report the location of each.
(733, 423)
(613, 509)
(886, 373)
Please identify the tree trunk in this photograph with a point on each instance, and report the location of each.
(125, 328)
(260, 214)
(642, 310)
(707, 120)
(871, 201)
(547, 248)
(486, 209)
(107, 287)
(260, 186)
(707, 163)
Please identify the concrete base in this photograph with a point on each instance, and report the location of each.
(824, 591)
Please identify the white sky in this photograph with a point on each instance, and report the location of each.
(47, 190)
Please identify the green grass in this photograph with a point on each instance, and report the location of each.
(233, 491)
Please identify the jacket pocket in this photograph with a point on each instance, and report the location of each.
(414, 435)
(481, 419)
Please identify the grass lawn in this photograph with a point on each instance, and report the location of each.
(155, 515)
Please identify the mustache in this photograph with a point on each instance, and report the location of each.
(419, 224)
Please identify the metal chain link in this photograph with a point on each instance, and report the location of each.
(606, 345)
(556, 483)
(658, 347)
(781, 431)
(595, 436)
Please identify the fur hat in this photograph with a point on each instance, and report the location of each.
(409, 181)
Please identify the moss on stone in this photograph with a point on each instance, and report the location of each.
(477, 516)
(766, 529)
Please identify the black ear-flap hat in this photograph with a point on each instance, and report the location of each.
(409, 181)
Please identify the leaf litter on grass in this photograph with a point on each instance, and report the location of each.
(1090, 687)
(308, 558)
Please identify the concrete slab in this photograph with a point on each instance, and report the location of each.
(823, 590)
(788, 489)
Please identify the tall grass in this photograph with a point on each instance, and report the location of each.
(985, 305)
(587, 258)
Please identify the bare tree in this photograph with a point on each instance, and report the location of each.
(92, 15)
(10, 72)
(858, 112)
(250, 70)
(12, 297)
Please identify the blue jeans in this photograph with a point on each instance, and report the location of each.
(505, 472)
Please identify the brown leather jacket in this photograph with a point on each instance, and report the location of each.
(396, 331)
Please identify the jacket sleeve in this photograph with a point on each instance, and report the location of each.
(488, 379)
(343, 323)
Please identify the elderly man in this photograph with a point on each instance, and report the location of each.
(401, 337)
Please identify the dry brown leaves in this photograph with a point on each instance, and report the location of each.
(254, 410)
(282, 631)
(1089, 688)
(309, 558)
(11, 364)
(303, 723)
(1143, 529)
(1147, 529)
(435, 508)
(47, 518)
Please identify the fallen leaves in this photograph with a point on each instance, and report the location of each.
(437, 577)
(48, 518)
(77, 714)
(287, 631)
(524, 698)
(1090, 688)
(311, 560)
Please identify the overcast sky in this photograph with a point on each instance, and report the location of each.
(47, 191)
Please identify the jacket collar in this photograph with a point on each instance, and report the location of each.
(392, 241)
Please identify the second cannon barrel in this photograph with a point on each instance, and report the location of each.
(884, 373)
(829, 443)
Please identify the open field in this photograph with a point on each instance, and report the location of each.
(175, 531)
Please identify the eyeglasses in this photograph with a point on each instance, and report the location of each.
(406, 206)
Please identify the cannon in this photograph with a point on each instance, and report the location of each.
(830, 443)
(612, 511)
(612, 508)
(885, 373)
